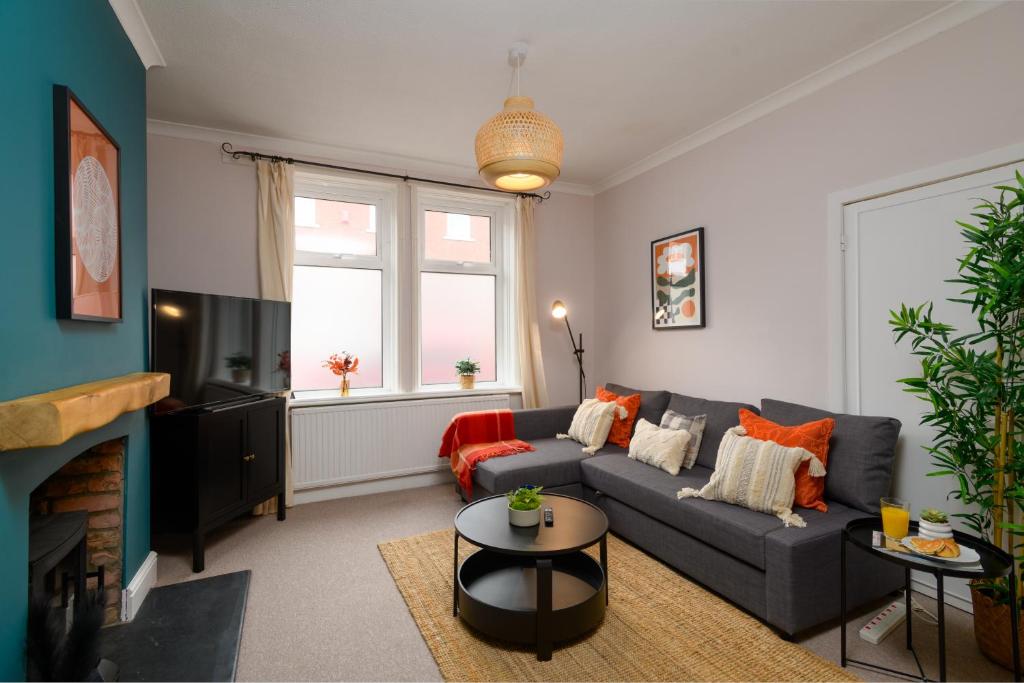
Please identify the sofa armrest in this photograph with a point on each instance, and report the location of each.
(543, 423)
(803, 565)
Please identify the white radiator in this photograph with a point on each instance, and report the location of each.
(345, 444)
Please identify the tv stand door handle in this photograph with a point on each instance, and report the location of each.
(249, 458)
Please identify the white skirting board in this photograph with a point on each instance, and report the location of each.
(955, 597)
(138, 588)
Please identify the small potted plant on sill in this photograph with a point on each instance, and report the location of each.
(524, 505)
(343, 365)
(467, 370)
(934, 524)
(240, 366)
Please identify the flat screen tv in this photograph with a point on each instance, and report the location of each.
(219, 349)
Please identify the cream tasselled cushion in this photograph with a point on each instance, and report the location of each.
(758, 475)
(592, 422)
(661, 448)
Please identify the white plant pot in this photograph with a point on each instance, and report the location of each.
(524, 517)
(932, 530)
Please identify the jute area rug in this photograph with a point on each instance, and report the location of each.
(658, 627)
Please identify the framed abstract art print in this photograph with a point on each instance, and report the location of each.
(87, 170)
(677, 281)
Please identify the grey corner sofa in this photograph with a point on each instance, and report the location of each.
(788, 577)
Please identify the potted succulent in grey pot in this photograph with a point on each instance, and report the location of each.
(524, 505)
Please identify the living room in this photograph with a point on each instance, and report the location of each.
(304, 301)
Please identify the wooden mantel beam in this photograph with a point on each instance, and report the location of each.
(52, 418)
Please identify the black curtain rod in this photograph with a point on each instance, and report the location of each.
(253, 156)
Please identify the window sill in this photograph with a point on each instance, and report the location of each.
(329, 397)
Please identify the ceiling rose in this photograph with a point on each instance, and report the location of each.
(519, 149)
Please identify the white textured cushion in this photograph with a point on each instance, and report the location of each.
(691, 423)
(759, 475)
(662, 448)
(592, 422)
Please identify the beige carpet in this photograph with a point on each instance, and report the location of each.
(658, 627)
(323, 607)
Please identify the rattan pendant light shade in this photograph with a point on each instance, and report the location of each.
(519, 149)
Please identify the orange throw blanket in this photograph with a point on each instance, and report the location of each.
(474, 437)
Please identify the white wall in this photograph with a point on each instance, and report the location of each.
(202, 237)
(761, 193)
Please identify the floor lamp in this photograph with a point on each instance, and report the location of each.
(559, 311)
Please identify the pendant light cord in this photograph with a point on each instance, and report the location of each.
(514, 79)
(519, 63)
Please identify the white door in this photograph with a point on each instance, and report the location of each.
(901, 248)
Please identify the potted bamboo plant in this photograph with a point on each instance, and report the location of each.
(973, 382)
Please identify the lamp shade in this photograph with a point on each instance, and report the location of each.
(519, 149)
(558, 309)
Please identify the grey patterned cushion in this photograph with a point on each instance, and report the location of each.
(721, 416)
(691, 423)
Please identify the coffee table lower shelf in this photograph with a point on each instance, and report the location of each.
(530, 600)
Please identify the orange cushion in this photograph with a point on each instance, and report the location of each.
(812, 436)
(622, 428)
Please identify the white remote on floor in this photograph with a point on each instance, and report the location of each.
(882, 625)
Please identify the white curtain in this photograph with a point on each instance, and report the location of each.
(275, 227)
(531, 364)
(275, 224)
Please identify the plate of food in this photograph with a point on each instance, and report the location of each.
(945, 549)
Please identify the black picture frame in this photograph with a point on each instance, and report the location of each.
(63, 97)
(659, 311)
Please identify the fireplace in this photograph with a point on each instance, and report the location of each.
(93, 482)
(64, 455)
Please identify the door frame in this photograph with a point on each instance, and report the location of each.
(835, 245)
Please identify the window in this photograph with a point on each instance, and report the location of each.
(464, 285)
(342, 287)
(450, 299)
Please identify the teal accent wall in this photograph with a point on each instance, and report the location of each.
(78, 43)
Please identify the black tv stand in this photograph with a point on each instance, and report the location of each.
(212, 465)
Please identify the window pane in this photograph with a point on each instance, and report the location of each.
(456, 321)
(457, 237)
(335, 310)
(329, 227)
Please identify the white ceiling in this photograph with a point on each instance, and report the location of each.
(623, 78)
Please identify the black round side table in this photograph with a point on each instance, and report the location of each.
(531, 585)
(994, 564)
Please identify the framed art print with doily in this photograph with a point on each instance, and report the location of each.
(87, 170)
(677, 281)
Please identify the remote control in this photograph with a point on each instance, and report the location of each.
(549, 517)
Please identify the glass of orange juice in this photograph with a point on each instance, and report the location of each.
(895, 518)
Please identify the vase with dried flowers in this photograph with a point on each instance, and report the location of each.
(343, 365)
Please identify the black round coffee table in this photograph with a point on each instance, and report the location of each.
(531, 585)
(993, 563)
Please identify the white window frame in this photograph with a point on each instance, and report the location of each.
(384, 196)
(501, 212)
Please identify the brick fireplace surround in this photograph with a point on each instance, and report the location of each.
(93, 481)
